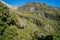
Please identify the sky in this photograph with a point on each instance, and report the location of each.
(55, 3)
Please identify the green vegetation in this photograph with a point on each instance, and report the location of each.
(42, 24)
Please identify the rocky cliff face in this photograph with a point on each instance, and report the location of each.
(33, 21)
(32, 6)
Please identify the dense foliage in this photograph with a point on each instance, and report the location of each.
(43, 24)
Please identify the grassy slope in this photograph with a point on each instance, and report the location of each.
(25, 26)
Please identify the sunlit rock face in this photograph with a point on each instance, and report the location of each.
(32, 6)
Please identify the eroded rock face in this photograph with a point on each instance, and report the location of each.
(31, 6)
(48, 16)
(58, 17)
(36, 14)
(34, 21)
(51, 16)
(38, 23)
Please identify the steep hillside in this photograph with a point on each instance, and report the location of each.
(40, 23)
